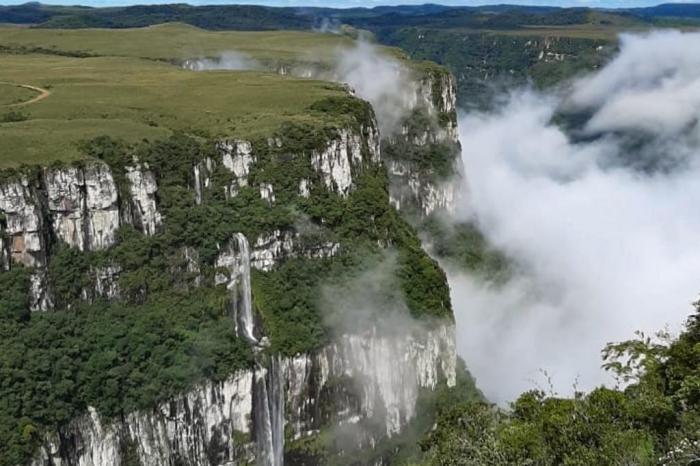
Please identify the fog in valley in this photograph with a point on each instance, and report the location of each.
(600, 224)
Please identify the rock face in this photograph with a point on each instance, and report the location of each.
(211, 425)
(82, 204)
(237, 158)
(342, 155)
(105, 284)
(360, 378)
(430, 136)
(75, 205)
(4, 253)
(24, 222)
(269, 250)
(417, 190)
(426, 129)
(382, 373)
(143, 189)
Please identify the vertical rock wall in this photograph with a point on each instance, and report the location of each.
(78, 206)
(244, 418)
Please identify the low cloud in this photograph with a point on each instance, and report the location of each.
(379, 79)
(230, 60)
(600, 249)
(653, 86)
(371, 299)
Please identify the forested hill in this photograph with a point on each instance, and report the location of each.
(249, 17)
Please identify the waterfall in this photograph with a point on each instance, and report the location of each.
(269, 414)
(197, 185)
(240, 289)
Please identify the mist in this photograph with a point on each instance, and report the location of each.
(599, 249)
(230, 60)
(379, 79)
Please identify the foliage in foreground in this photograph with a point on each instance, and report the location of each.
(654, 420)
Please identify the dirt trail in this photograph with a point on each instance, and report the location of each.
(43, 93)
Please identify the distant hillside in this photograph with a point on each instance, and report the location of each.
(675, 10)
(248, 17)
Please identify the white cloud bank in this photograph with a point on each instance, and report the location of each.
(603, 249)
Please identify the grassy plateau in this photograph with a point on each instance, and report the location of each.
(129, 84)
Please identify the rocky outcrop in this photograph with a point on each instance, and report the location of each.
(4, 252)
(202, 178)
(24, 228)
(104, 284)
(40, 298)
(143, 189)
(304, 189)
(360, 378)
(267, 193)
(343, 155)
(429, 179)
(210, 425)
(24, 222)
(271, 249)
(83, 205)
(380, 377)
(237, 157)
(76, 205)
(420, 119)
(417, 190)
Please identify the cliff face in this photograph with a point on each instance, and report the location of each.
(357, 381)
(364, 384)
(423, 157)
(75, 206)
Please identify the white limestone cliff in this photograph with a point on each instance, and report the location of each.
(343, 156)
(209, 425)
(243, 418)
(237, 157)
(82, 204)
(415, 190)
(24, 223)
(143, 189)
(270, 249)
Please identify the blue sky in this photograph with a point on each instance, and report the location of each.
(368, 3)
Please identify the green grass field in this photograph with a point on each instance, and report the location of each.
(120, 94)
(12, 94)
(177, 41)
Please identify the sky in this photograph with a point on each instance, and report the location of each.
(368, 3)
